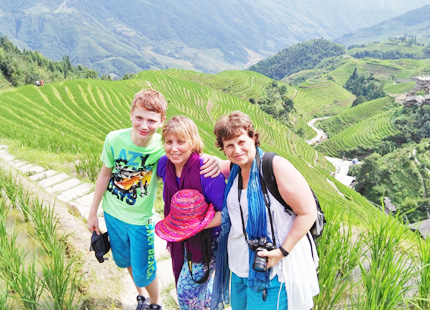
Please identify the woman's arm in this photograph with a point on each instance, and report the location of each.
(213, 166)
(214, 193)
(216, 221)
(296, 192)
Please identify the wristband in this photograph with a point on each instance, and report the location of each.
(284, 252)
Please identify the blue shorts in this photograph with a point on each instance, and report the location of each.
(244, 298)
(133, 246)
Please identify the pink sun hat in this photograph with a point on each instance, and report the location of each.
(189, 215)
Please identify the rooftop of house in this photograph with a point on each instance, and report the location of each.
(423, 227)
(423, 78)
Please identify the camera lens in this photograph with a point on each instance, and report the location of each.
(260, 263)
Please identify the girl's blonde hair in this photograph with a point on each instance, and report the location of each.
(184, 128)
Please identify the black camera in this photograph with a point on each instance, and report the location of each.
(257, 245)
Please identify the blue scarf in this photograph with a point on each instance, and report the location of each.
(256, 227)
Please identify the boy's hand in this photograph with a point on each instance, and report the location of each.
(93, 224)
(211, 166)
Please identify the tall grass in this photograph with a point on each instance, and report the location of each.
(4, 287)
(58, 282)
(4, 297)
(61, 280)
(423, 298)
(339, 250)
(387, 270)
(21, 277)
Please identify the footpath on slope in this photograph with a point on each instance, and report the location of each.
(106, 286)
(321, 135)
(341, 165)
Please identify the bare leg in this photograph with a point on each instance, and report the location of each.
(140, 290)
(154, 292)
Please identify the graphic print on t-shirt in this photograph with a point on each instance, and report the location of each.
(131, 180)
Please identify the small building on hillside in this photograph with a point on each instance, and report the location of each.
(403, 80)
(422, 83)
(418, 101)
(388, 206)
(413, 101)
(423, 227)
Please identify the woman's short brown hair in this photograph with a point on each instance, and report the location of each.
(185, 129)
(229, 126)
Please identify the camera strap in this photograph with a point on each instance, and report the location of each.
(265, 196)
(206, 247)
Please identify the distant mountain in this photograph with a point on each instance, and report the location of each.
(128, 36)
(413, 23)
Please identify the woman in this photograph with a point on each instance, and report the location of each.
(290, 280)
(180, 169)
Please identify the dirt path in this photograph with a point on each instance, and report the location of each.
(321, 135)
(104, 285)
(341, 165)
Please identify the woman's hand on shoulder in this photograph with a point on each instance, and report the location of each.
(211, 166)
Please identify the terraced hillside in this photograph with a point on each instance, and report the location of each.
(62, 126)
(391, 47)
(242, 84)
(319, 99)
(360, 126)
(67, 122)
(384, 70)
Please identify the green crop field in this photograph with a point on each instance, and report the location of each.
(63, 125)
(318, 100)
(387, 46)
(68, 121)
(242, 84)
(384, 70)
(398, 88)
(362, 134)
(352, 116)
(71, 118)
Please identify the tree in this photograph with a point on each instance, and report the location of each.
(368, 178)
(364, 85)
(359, 100)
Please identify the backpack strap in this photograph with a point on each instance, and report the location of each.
(269, 178)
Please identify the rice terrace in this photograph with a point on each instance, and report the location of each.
(368, 260)
(370, 102)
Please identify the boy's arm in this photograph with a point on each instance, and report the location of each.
(101, 185)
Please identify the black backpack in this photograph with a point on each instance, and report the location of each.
(270, 180)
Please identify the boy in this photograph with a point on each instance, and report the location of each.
(128, 183)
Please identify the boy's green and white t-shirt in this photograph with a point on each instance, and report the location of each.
(131, 192)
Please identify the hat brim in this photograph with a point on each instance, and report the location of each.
(175, 232)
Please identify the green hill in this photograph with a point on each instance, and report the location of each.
(62, 126)
(401, 175)
(299, 57)
(20, 67)
(394, 48)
